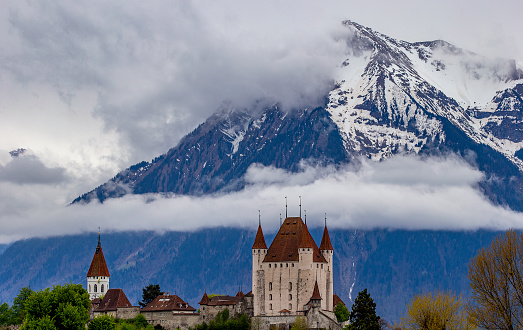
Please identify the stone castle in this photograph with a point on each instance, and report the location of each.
(291, 278)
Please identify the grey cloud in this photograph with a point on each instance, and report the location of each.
(376, 196)
(28, 169)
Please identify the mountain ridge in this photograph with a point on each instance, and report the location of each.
(385, 102)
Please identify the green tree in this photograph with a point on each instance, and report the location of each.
(341, 312)
(363, 314)
(5, 314)
(435, 312)
(300, 323)
(149, 293)
(63, 307)
(17, 309)
(102, 322)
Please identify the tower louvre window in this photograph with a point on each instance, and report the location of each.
(95, 288)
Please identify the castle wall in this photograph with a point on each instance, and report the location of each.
(170, 320)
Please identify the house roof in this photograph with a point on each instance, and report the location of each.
(113, 299)
(336, 300)
(326, 241)
(293, 234)
(98, 266)
(259, 241)
(168, 303)
(222, 301)
(316, 293)
(240, 294)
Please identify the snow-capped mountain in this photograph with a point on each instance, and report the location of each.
(389, 97)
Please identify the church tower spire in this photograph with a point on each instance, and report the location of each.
(98, 274)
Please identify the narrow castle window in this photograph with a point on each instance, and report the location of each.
(270, 307)
(275, 265)
(270, 286)
(321, 266)
(102, 288)
(270, 297)
(89, 287)
(286, 265)
(281, 265)
(290, 297)
(95, 288)
(269, 265)
(290, 306)
(290, 286)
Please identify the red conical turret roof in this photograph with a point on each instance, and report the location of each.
(326, 241)
(98, 265)
(316, 293)
(205, 299)
(259, 241)
(306, 240)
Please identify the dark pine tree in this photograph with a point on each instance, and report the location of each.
(363, 315)
(149, 293)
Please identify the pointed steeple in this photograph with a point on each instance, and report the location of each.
(306, 240)
(205, 299)
(316, 293)
(259, 241)
(326, 240)
(98, 266)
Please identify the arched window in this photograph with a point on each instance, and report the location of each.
(270, 286)
(290, 307)
(102, 288)
(270, 307)
(95, 288)
(270, 297)
(89, 287)
(290, 286)
(290, 296)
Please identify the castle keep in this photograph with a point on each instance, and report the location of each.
(293, 277)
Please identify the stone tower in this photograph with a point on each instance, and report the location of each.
(284, 276)
(98, 274)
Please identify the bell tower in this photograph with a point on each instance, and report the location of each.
(98, 274)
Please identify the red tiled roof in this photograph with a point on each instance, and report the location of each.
(240, 294)
(98, 265)
(326, 241)
(205, 299)
(113, 299)
(306, 240)
(336, 300)
(285, 245)
(316, 292)
(249, 294)
(222, 301)
(259, 241)
(168, 303)
(285, 311)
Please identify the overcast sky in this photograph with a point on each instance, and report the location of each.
(91, 87)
